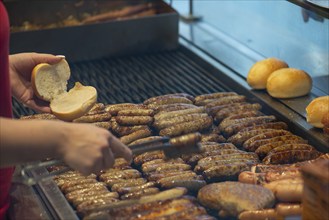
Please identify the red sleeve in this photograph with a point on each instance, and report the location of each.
(5, 105)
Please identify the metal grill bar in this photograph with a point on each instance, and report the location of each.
(136, 78)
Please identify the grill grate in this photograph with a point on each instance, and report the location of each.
(136, 78)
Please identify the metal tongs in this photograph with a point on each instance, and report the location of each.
(172, 147)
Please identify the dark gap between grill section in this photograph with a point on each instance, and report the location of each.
(136, 78)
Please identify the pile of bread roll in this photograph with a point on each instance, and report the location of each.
(279, 80)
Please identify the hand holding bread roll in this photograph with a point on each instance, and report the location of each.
(288, 83)
(261, 70)
(49, 83)
(316, 111)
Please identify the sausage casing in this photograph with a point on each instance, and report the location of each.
(157, 98)
(226, 171)
(223, 111)
(187, 127)
(136, 112)
(161, 124)
(271, 125)
(233, 119)
(213, 96)
(248, 144)
(134, 120)
(127, 139)
(291, 156)
(226, 100)
(115, 108)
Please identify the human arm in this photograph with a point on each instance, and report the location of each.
(20, 69)
(83, 147)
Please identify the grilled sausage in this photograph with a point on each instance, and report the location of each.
(130, 189)
(146, 167)
(224, 172)
(115, 108)
(190, 184)
(183, 176)
(148, 156)
(75, 182)
(226, 100)
(111, 181)
(205, 166)
(263, 150)
(196, 157)
(82, 186)
(157, 176)
(121, 163)
(134, 120)
(248, 144)
(130, 183)
(287, 147)
(223, 111)
(103, 124)
(60, 182)
(193, 213)
(211, 146)
(41, 116)
(88, 206)
(157, 98)
(74, 196)
(164, 115)
(172, 107)
(288, 209)
(290, 156)
(172, 167)
(122, 174)
(245, 122)
(271, 125)
(136, 112)
(161, 124)
(205, 161)
(233, 119)
(216, 95)
(239, 138)
(93, 118)
(138, 194)
(97, 108)
(104, 195)
(144, 140)
(187, 127)
(287, 190)
(127, 139)
(213, 138)
(170, 100)
(125, 130)
(254, 145)
(268, 214)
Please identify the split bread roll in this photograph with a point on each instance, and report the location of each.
(49, 83)
(317, 110)
(261, 70)
(289, 83)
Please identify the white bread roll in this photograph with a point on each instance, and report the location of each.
(289, 83)
(49, 83)
(316, 111)
(261, 70)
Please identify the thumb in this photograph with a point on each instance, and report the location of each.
(38, 58)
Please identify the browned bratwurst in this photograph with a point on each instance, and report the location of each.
(134, 120)
(248, 144)
(271, 125)
(115, 108)
(157, 98)
(164, 115)
(263, 150)
(232, 117)
(239, 138)
(127, 139)
(93, 118)
(223, 111)
(169, 100)
(172, 107)
(246, 122)
(136, 112)
(226, 100)
(164, 123)
(125, 130)
(213, 96)
(291, 156)
(213, 138)
(187, 127)
(256, 144)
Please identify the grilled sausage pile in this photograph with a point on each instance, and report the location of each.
(239, 143)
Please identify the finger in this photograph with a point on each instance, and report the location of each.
(119, 149)
(98, 165)
(38, 58)
(108, 158)
(39, 106)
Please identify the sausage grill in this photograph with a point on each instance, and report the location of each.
(239, 131)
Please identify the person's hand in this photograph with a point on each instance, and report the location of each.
(90, 149)
(20, 69)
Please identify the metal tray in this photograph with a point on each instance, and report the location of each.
(91, 41)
